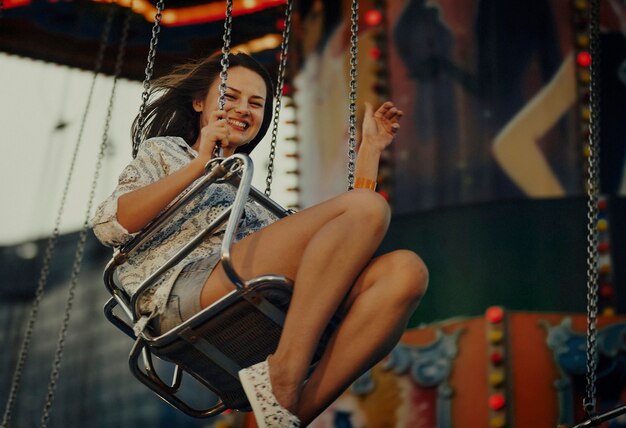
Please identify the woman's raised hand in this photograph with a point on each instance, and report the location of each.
(380, 127)
(213, 133)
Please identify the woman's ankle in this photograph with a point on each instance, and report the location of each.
(285, 386)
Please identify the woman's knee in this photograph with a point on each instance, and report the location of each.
(369, 207)
(410, 275)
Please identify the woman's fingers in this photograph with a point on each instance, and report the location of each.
(396, 118)
(222, 127)
(216, 131)
(369, 110)
(393, 113)
(387, 116)
(217, 115)
(384, 109)
(389, 111)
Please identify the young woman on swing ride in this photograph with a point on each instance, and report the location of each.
(326, 249)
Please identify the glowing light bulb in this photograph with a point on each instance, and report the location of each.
(583, 59)
(373, 17)
(495, 314)
(497, 402)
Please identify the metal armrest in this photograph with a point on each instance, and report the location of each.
(237, 171)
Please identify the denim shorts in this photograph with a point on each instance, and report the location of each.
(184, 300)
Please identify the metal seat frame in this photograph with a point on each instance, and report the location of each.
(239, 330)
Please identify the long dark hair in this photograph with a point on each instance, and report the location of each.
(169, 111)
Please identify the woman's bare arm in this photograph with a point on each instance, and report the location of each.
(137, 208)
(379, 128)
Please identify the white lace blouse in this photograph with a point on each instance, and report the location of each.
(156, 158)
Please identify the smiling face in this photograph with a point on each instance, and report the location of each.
(246, 95)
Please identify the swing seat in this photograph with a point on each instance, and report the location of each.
(237, 331)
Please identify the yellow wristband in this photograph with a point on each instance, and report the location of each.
(364, 183)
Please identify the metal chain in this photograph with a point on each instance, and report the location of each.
(284, 47)
(80, 249)
(228, 28)
(43, 277)
(156, 29)
(593, 190)
(354, 28)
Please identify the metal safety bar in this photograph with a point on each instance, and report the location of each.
(166, 392)
(595, 421)
(237, 171)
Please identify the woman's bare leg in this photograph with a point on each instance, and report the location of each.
(323, 248)
(378, 309)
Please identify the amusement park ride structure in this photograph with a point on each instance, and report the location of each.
(258, 305)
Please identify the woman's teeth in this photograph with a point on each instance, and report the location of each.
(238, 124)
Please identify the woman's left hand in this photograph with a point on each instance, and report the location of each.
(380, 127)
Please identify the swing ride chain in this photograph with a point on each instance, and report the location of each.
(80, 250)
(156, 29)
(284, 47)
(354, 28)
(593, 184)
(228, 26)
(43, 277)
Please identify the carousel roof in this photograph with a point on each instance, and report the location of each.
(69, 32)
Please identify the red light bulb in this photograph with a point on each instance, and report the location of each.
(607, 291)
(495, 314)
(373, 17)
(496, 358)
(375, 53)
(583, 59)
(497, 402)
